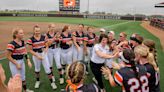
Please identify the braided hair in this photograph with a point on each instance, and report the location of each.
(75, 73)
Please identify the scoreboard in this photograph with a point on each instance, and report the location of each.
(69, 5)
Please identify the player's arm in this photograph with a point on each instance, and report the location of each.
(106, 71)
(85, 45)
(103, 55)
(111, 80)
(74, 41)
(8, 55)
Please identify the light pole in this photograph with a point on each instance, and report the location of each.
(88, 7)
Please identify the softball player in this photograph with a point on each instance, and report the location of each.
(54, 50)
(132, 78)
(78, 40)
(89, 41)
(66, 46)
(38, 48)
(16, 50)
(144, 57)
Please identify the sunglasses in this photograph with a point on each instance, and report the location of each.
(121, 36)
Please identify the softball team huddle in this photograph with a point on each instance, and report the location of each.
(75, 52)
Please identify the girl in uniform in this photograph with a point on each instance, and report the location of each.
(54, 50)
(144, 57)
(66, 46)
(16, 51)
(38, 48)
(132, 78)
(78, 40)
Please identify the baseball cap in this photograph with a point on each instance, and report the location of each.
(102, 30)
(112, 32)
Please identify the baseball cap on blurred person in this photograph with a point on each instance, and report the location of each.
(102, 30)
(111, 32)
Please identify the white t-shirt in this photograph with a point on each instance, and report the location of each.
(95, 58)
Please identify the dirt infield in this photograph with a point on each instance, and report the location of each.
(6, 30)
(155, 31)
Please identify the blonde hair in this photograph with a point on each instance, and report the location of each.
(15, 31)
(49, 26)
(76, 72)
(124, 34)
(144, 52)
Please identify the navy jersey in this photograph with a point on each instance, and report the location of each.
(37, 45)
(153, 78)
(90, 40)
(79, 38)
(55, 42)
(18, 51)
(126, 78)
(64, 39)
(86, 88)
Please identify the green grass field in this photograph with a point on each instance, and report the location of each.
(116, 25)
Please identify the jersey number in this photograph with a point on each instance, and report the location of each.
(135, 84)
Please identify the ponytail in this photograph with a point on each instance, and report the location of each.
(151, 61)
(132, 62)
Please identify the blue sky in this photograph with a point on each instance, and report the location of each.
(112, 6)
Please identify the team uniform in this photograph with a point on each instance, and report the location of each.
(126, 78)
(90, 44)
(18, 53)
(97, 62)
(78, 55)
(85, 88)
(54, 51)
(66, 49)
(38, 47)
(153, 78)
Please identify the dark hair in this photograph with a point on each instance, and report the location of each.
(65, 28)
(130, 56)
(151, 45)
(81, 25)
(103, 36)
(136, 37)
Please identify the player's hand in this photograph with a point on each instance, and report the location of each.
(115, 65)
(18, 66)
(40, 57)
(116, 54)
(15, 84)
(29, 63)
(105, 71)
